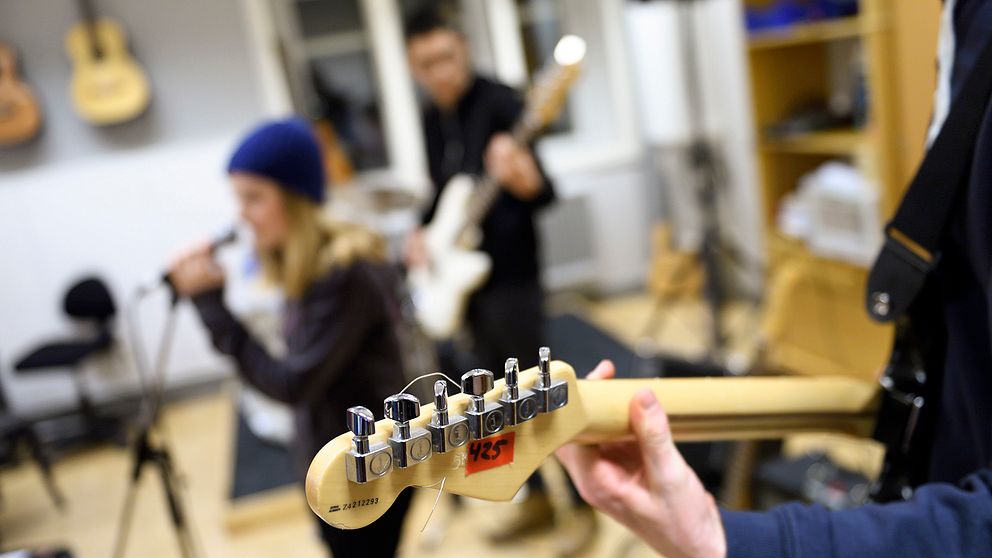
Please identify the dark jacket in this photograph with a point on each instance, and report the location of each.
(456, 144)
(951, 516)
(342, 351)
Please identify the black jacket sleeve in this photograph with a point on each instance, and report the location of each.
(334, 318)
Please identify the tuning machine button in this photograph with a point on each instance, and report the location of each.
(519, 405)
(447, 431)
(552, 395)
(365, 462)
(484, 419)
(410, 445)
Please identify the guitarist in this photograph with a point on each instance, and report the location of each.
(467, 123)
(646, 484)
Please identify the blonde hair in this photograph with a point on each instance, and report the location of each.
(315, 244)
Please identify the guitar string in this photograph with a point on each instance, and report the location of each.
(440, 490)
(428, 375)
(437, 499)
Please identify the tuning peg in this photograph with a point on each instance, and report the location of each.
(361, 423)
(441, 398)
(402, 407)
(484, 418)
(518, 405)
(365, 462)
(544, 366)
(447, 432)
(477, 382)
(551, 394)
(410, 446)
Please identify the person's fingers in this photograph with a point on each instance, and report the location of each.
(585, 466)
(603, 371)
(203, 249)
(663, 464)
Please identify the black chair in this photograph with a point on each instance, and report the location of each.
(16, 434)
(89, 302)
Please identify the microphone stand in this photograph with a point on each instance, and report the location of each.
(150, 445)
(707, 175)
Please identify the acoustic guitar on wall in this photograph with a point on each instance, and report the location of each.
(108, 86)
(486, 441)
(20, 115)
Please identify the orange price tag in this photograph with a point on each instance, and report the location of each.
(490, 452)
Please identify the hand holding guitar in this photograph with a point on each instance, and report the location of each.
(512, 166)
(646, 484)
(415, 253)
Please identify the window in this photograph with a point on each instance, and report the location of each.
(336, 79)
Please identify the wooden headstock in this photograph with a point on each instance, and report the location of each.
(547, 96)
(350, 505)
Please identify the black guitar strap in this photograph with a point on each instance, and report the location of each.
(913, 236)
(909, 254)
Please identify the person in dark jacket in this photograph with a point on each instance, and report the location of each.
(342, 347)
(467, 122)
(647, 486)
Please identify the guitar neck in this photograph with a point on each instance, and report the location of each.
(733, 408)
(488, 189)
(87, 12)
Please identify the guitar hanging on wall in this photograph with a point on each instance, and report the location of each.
(108, 86)
(20, 115)
(486, 441)
(440, 290)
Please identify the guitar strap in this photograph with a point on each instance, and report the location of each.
(898, 290)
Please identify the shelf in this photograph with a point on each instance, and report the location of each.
(807, 33)
(832, 142)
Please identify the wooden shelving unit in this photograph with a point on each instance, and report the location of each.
(842, 28)
(847, 142)
(790, 69)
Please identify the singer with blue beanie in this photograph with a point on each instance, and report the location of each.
(340, 311)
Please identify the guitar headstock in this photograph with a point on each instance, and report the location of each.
(468, 441)
(547, 96)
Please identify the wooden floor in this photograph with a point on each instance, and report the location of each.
(94, 483)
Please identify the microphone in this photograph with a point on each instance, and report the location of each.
(217, 243)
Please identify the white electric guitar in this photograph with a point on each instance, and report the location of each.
(440, 290)
(486, 441)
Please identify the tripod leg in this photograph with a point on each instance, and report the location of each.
(183, 534)
(124, 523)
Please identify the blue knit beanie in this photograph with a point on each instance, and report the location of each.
(285, 151)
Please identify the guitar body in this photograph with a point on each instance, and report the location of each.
(441, 290)
(20, 116)
(108, 86)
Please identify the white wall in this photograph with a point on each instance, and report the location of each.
(194, 53)
(119, 217)
(118, 201)
(657, 41)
